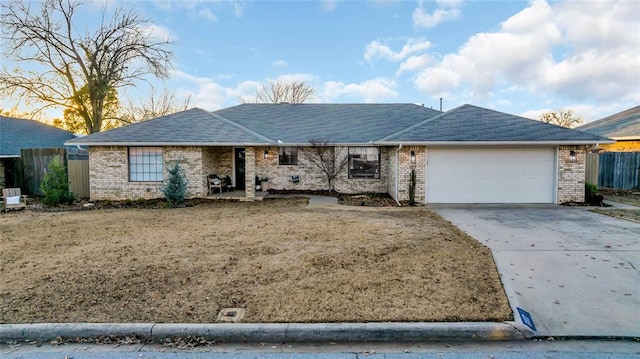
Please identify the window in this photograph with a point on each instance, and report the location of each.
(145, 164)
(364, 162)
(288, 156)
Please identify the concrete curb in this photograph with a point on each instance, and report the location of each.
(247, 332)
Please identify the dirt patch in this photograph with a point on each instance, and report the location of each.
(621, 196)
(278, 259)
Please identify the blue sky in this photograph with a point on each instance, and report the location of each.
(521, 57)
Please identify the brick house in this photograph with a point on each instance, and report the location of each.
(466, 155)
(624, 127)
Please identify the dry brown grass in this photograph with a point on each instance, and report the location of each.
(281, 260)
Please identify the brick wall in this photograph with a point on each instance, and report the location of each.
(109, 173)
(311, 178)
(404, 172)
(571, 176)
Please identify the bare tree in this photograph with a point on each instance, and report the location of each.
(153, 106)
(281, 92)
(324, 156)
(564, 118)
(117, 54)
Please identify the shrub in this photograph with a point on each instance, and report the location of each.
(55, 185)
(141, 201)
(591, 195)
(175, 188)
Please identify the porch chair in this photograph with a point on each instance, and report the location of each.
(13, 199)
(214, 182)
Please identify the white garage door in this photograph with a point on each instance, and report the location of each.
(490, 175)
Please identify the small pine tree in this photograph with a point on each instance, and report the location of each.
(412, 188)
(175, 188)
(55, 185)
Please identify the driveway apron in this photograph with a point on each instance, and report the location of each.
(576, 272)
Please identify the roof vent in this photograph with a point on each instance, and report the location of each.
(283, 103)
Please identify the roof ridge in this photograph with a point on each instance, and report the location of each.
(417, 124)
(240, 127)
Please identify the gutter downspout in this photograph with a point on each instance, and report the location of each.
(397, 173)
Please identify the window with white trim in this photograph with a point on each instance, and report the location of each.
(288, 156)
(364, 162)
(146, 164)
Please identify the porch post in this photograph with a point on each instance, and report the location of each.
(250, 173)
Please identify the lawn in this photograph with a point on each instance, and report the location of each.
(280, 260)
(626, 197)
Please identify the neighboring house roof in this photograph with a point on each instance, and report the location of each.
(623, 125)
(472, 124)
(352, 124)
(16, 134)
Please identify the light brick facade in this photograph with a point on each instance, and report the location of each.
(571, 176)
(109, 172)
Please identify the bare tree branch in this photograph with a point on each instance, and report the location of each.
(281, 92)
(564, 118)
(326, 158)
(74, 70)
(153, 106)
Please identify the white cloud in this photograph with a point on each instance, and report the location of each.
(207, 14)
(414, 63)
(446, 10)
(588, 113)
(549, 50)
(280, 63)
(329, 5)
(377, 49)
(376, 90)
(238, 9)
(157, 32)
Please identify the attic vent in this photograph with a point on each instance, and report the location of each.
(283, 102)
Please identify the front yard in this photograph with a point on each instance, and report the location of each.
(279, 260)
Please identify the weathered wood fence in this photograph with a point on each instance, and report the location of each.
(78, 170)
(619, 170)
(35, 163)
(591, 168)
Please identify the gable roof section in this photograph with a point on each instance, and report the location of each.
(297, 124)
(470, 124)
(622, 125)
(191, 127)
(16, 134)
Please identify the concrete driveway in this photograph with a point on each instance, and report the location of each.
(576, 272)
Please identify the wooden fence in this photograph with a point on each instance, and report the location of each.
(619, 170)
(592, 166)
(78, 177)
(35, 162)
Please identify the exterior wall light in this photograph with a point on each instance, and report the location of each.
(413, 157)
(573, 157)
(266, 154)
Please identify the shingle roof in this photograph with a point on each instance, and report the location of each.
(297, 124)
(625, 124)
(470, 123)
(16, 134)
(194, 126)
(336, 123)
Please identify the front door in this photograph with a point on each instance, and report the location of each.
(239, 169)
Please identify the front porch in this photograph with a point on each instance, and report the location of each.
(237, 195)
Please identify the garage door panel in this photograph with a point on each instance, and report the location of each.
(505, 175)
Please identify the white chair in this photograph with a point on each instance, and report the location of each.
(13, 199)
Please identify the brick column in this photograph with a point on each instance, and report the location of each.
(250, 173)
(571, 175)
